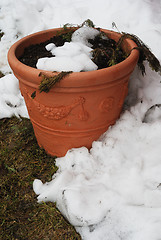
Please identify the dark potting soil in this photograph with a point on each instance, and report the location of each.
(34, 52)
(105, 52)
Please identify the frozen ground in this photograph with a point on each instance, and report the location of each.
(112, 192)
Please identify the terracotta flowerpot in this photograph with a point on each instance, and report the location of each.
(79, 108)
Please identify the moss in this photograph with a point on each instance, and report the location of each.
(66, 37)
(47, 82)
(145, 53)
(21, 161)
(88, 23)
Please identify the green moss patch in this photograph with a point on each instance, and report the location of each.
(21, 161)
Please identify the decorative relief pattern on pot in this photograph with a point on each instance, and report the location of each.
(83, 114)
(107, 104)
(124, 94)
(60, 112)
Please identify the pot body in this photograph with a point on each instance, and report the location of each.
(78, 109)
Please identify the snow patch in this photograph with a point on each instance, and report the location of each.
(11, 101)
(72, 56)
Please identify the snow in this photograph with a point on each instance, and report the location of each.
(76, 63)
(83, 34)
(72, 56)
(50, 46)
(113, 191)
(11, 100)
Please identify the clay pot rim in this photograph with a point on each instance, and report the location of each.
(69, 81)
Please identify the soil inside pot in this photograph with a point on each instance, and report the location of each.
(105, 52)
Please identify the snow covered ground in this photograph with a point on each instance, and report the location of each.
(112, 192)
